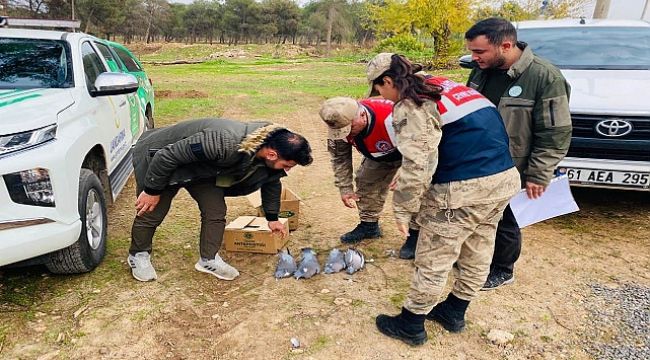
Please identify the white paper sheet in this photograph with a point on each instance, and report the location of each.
(557, 200)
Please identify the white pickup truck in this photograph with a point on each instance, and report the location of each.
(66, 130)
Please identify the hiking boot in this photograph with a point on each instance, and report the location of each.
(408, 249)
(217, 267)
(141, 267)
(407, 326)
(365, 230)
(498, 278)
(450, 313)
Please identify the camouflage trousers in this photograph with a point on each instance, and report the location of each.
(372, 180)
(463, 236)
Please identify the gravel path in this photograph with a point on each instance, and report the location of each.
(620, 322)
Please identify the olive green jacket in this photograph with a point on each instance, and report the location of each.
(535, 110)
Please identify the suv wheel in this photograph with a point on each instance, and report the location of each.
(85, 254)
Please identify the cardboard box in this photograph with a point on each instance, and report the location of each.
(252, 234)
(289, 206)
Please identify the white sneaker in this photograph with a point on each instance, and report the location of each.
(217, 267)
(141, 267)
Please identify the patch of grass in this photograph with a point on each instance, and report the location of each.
(546, 338)
(519, 333)
(373, 251)
(4, 331)
(169, 110)
(319, 344)
(398, 299)
(24, 289)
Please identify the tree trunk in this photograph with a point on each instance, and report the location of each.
(330, 23)
(90, 15)
(146, 35)
(365, 38)
(602, 9)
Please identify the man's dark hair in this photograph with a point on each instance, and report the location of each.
(290, 146)
(496, 30)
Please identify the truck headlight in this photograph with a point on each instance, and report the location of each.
(24, 140)
(30, 187)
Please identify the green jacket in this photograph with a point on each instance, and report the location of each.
(535, 110)
(216, 150)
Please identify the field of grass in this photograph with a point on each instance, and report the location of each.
(260, 88)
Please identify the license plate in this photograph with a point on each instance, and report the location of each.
(625, 178)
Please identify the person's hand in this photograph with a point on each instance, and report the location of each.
(350, 200)
(393, 183)
(402, 228)
(278, 228)
(534, 191)
(146, 203)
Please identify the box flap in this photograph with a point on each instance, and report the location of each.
(258, 224)
(241, 222)
(289, 195)
(255, 199)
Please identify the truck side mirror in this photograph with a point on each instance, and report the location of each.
(110, 83)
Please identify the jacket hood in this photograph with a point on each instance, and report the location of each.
(253, 141)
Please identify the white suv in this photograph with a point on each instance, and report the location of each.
(66, 131)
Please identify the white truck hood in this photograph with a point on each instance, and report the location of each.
(24, 110)
(609, 92)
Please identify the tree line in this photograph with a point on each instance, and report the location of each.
(403, 23)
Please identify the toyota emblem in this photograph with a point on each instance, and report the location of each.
(614, 127)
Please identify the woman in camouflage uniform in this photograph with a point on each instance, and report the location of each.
(458, 183)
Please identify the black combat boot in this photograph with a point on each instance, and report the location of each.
(450, 313)
(407, 326)
(365, 230)
(408, 249)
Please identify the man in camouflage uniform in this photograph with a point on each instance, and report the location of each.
(367, 126)
(462, 138)
(533, 99)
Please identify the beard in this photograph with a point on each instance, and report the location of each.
(499, 61)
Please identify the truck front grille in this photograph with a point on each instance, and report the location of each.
(587, 142)
(585, 126)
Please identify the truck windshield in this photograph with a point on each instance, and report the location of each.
(29, 64)
(615, 48)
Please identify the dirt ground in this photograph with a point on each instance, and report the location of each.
(107, 314)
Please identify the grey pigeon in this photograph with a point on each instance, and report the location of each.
(286, 264)
(354, 261)
(335, 262)
(308, 266)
